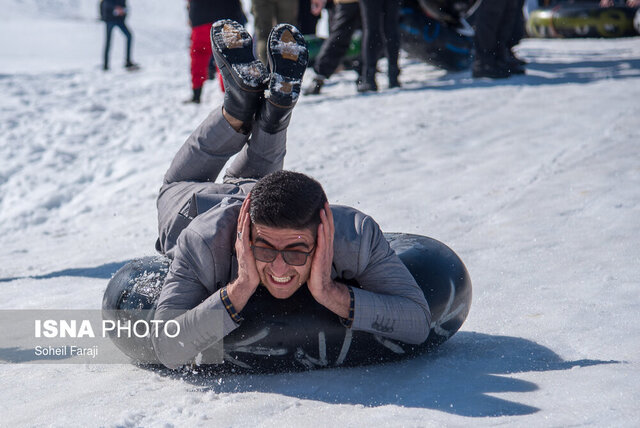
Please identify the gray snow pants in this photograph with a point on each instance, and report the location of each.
(189, 186)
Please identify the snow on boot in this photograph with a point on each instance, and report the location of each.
(288, 57)
(244, 77)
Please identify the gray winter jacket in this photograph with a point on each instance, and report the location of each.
(387, 299)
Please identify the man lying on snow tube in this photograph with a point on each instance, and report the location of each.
(245, 248)
(298, 333)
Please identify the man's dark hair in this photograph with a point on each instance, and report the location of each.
(287, 199)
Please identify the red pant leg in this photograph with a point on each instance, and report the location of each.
(200, 54)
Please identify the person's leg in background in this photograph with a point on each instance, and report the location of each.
(345, 19)
(286, 12)
(370, 11)
(307, 21)
(129, 42)
(516, 65)
(107, 44)
(489, 17)
(200, 55)
(391, 22)
(505, 32)
(263, 21)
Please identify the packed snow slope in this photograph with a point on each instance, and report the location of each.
(534, 181)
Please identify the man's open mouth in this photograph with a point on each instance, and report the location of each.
(280, 279)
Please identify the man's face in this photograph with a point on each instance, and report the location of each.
(280, 278)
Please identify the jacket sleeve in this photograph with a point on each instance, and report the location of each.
(105, 6)
(202, 317)
(388, 301)
(107, 10)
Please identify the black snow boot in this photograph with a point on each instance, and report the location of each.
(368, 83)
(131, 66)
(489, 68)
(393, 74)
(512, 63)
(315, 86)
(245, 78)
(513, 57)
(288, 58)
(195, 99)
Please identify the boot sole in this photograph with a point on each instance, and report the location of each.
(232, 49)
(288, 58)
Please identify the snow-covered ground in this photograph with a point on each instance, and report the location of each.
(534, 181)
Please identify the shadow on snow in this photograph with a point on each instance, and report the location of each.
(541, 73)
(104, 271)
(538, 74)
(456, 379)
(15, 355)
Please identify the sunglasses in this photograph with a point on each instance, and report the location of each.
(290, 257)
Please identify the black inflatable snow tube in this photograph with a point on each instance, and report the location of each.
(305, 334)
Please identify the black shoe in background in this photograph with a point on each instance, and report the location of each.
(515, 68)
(368, 83)
(394, 82)
(514, 58)
(195, 99)
(131, 66)
(367, 87)
(314, 87)
(482, 69)
(514, 64)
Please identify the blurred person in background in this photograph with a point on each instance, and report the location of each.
(309, 12)
(611, 3)
(266, 14)
(516, 64)
(344, 20)
(380, 26)
(495, 26)
(113, 13)
(202, 15)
